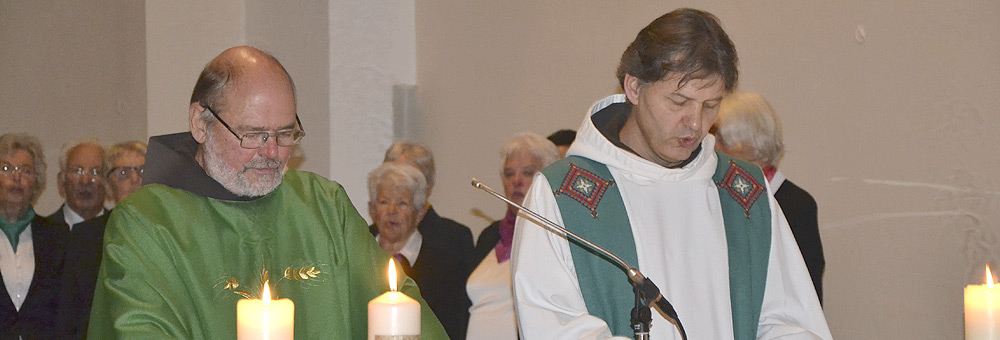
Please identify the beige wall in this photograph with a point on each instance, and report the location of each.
(71, 69)
(181, 37)
(298, 36)
(893, 135)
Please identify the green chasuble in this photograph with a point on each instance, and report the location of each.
(175, 263)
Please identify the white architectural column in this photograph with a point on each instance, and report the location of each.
(372, 49)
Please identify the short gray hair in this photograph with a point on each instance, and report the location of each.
(540, 147)
(747, 119)
(398, 174)
(415, 151)
(10, 142)
(119, 149)
(69, 147)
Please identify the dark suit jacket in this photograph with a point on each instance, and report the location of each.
(442, 267)
(35, 319)
(486, 242)
(84, 249)
(58, 217)
(800, 211)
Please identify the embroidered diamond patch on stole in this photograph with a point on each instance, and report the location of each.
(584, 187)
(741, 186)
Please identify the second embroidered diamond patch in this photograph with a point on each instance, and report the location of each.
(584, 187)
(741, 187)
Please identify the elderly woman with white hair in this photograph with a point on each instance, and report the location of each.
(30, 246)
(398, 196)
(749, 129)
(489, 286)
(126, 160)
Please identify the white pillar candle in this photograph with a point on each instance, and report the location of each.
(982, 310)
(393, 315)
(265, 319)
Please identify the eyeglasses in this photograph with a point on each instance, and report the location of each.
(124, 172)
(9, 170)
(79, 172)
(256, 139)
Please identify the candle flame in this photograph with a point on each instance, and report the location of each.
(989, 277)
(266, 294)
(392, 274)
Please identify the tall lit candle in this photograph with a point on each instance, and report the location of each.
(393, 315)
(265, 319)
(982, 310)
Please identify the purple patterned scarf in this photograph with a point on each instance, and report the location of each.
(506, 235)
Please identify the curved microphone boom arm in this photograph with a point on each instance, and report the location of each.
(645, 290)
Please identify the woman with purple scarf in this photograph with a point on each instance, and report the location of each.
(489, 285)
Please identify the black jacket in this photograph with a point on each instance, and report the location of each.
(486, 242)
(84, 250)
(35, 318)
(800, 210)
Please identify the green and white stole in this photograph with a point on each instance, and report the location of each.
(592, 207)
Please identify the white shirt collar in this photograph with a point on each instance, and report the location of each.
(72, 218)
(412, 247)
(776, 181)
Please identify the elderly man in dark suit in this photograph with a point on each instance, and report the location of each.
(437, 260)
(81, 181)
(747, 128)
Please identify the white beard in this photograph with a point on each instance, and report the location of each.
(236, 180)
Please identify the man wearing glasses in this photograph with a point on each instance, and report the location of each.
(85, 246)
(220, 214)
(81, 182)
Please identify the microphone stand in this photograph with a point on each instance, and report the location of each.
(646, 292)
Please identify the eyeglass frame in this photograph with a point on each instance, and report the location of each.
(8, 170)
(80, 171)
(267, 134)
(113, 173)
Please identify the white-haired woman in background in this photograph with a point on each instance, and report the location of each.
(126, 160)
(398, 195)
(489, 286)
(747, 128)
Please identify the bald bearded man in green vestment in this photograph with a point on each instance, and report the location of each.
(219, 213)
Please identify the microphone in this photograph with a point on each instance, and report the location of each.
(647, 293)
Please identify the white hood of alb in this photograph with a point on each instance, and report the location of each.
(590, 143)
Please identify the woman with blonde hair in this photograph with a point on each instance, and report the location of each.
(31, 248)
(489, 286)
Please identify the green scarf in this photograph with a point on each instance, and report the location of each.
(14, 230)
